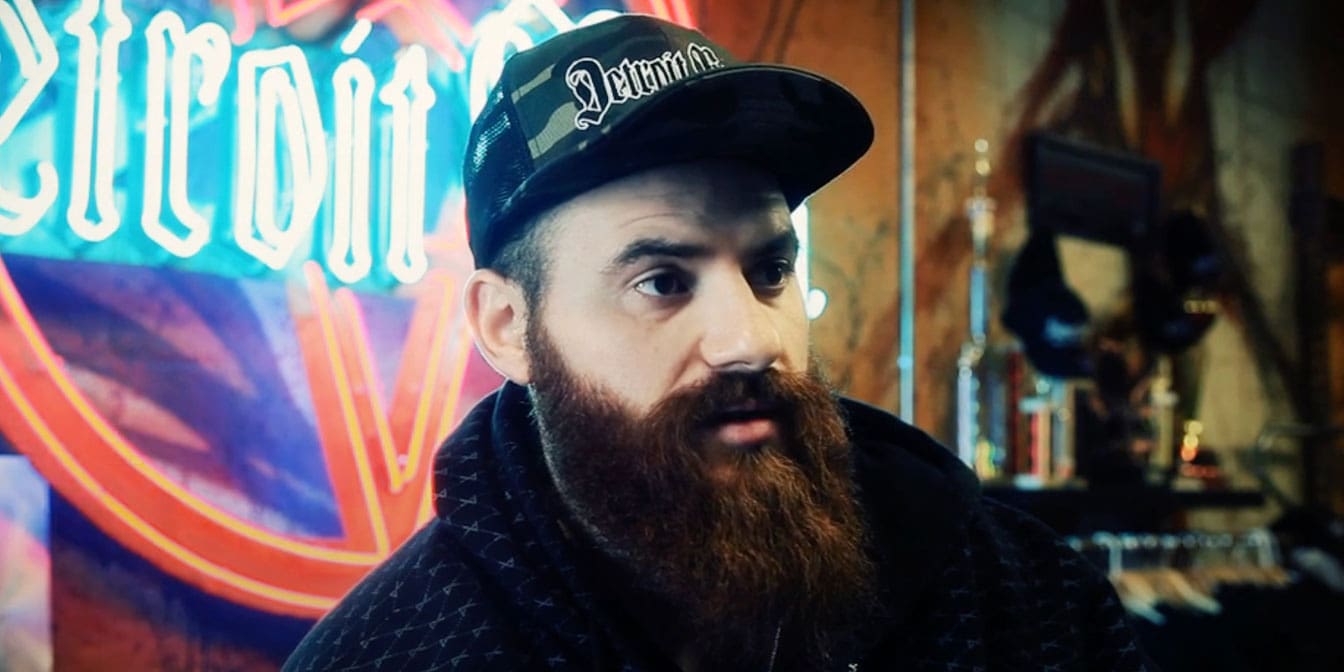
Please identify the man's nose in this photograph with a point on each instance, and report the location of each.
(740, 332)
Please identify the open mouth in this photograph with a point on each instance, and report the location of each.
(745, 425)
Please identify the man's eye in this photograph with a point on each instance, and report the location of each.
(666, 283)
(772, 274)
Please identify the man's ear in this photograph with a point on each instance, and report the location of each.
(497, 314)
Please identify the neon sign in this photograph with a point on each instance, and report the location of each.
(169, 83)
(302, 183)
(36, 54)
(96, 107)
(274, 161)
(322, 157)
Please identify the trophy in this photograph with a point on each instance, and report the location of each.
(984, 405)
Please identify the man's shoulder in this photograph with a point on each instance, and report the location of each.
(911, 474)
(1018, 539)
(1014, 592)
(423, 603)
(970, 564)
(892, 449)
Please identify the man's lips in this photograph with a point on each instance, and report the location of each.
(744, 424)
(746, 432)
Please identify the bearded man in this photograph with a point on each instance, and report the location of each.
(665, 481)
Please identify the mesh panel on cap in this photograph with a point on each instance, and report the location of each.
(498, 163)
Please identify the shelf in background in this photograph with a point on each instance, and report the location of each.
(1080, 510)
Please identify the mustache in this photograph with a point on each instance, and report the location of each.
(736, 395)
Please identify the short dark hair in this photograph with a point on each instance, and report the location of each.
(525, 259)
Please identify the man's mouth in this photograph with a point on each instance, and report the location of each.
(744, 425)
(747, 432)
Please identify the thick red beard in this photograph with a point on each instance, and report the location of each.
(781, 543)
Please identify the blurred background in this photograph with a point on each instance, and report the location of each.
(1097, 249)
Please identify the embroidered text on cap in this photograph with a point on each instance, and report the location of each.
(597, 89)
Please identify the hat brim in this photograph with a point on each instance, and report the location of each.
(802, 128)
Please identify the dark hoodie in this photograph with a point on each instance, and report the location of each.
(493, 584)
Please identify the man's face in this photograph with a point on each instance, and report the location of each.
(658, 281)
(669, 373)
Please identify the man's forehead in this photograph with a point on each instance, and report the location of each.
(741, 227)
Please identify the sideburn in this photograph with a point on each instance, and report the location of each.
(779, 549)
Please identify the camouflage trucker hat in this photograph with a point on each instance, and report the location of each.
(634, 92)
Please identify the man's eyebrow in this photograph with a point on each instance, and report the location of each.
(783, 244)
(643, 248)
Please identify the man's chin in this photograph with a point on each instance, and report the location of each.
(731, 470)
